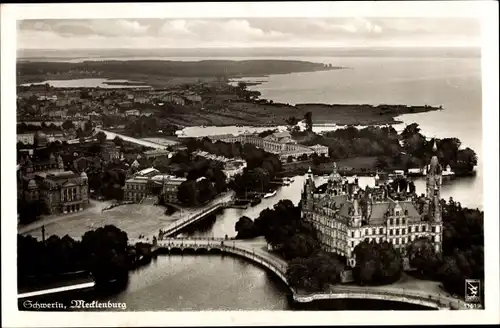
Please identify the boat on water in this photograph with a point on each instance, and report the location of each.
(291, 180)
(286, 181)
(270, 194)
(448, 172)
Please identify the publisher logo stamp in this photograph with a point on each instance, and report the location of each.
(472, 290)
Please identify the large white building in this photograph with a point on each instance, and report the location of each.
(279, 143)
(345, 215)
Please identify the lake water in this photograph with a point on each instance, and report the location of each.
(87, 83)
(454, 83)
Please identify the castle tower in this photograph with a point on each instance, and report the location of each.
(434, 175)
(335, 182)
(434, 180)
(60, 163)
(308, 195)
(356, 213)
(369, 205)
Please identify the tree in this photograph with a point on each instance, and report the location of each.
(188, 193)
(315, 272)
(67, 125)
(101, 137)
(29, 211)
(106, 251)
(242, 85)
(410, 130)
(423, 257)
(381, 163)
(118, 141)
(308, 121)
(377, 263)
(300, 245)
(292, 121)
(244, 228)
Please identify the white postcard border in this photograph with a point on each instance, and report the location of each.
(488, 13)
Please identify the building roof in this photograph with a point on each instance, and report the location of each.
(378, 212)
(61, 175)
(318, 146)
(283, 134)
(176, 181)
(137, 180)
(412, 211)
(345, 209)
(149, 170)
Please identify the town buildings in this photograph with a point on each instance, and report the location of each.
(156, 153)
(26, 138)
(138, 187)
(133, 112)
(170, 188)
(279, 143)
(345, 215)
(58, 192)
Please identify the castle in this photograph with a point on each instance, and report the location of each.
(345, 215)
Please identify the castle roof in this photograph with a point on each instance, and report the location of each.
(378, 212)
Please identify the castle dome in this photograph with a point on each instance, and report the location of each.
(32, 184)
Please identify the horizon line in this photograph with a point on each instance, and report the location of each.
(265, 47)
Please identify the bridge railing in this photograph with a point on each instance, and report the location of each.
(439, 299)
(182, 223)
(219, 242)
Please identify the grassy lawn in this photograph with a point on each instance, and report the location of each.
(357, 162)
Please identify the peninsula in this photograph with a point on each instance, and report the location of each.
(203, 92)
(159, 73)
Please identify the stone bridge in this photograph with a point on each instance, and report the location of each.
(191, 218)
(256, 253)
(235, 247)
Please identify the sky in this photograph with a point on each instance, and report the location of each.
(247, 32)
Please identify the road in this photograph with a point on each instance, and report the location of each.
(111, 135)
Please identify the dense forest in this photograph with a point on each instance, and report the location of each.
(205, 68)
